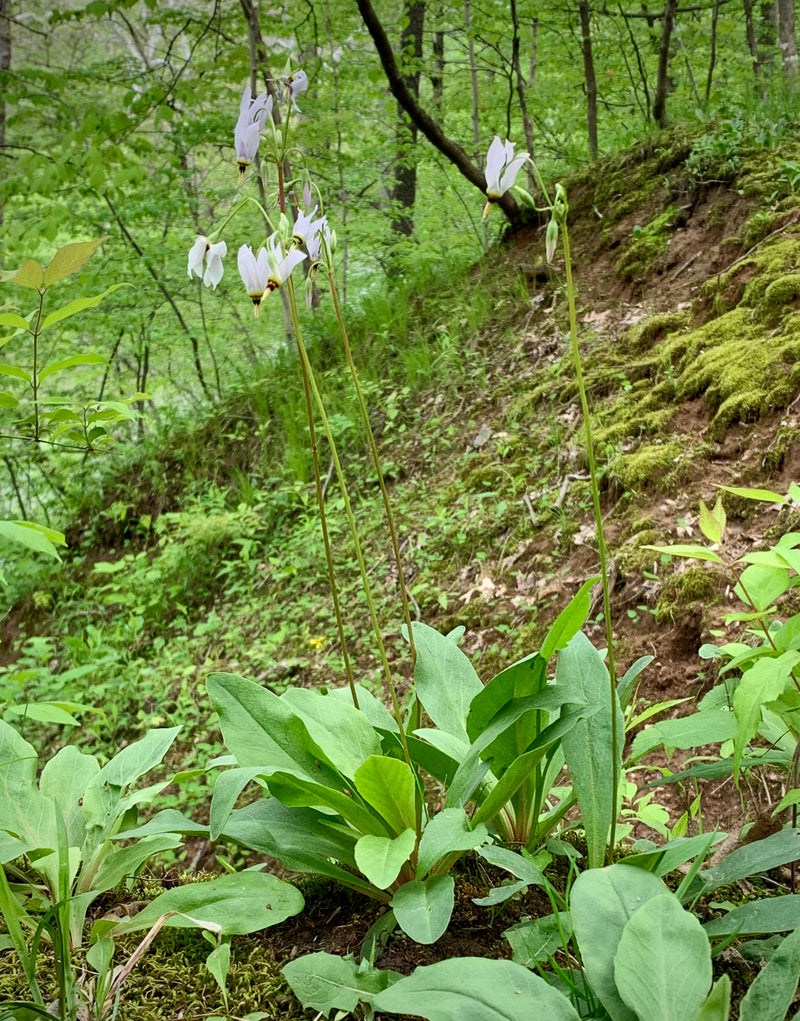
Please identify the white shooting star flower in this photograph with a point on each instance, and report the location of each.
(254, 271)
(280, 265)
(205, 260)
(253, 114)
(304, 226)
(502, 168)
(295, 84)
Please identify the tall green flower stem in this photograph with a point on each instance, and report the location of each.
(308, 374)
(326, 540)
(362, 404)
(560, 210)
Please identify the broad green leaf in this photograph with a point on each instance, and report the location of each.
(588, 746)
(343, 732)
(12, 319)
(628, 680)
(753, 858)
(684, 550)
(69, 259)
(718, 1004)
(760, 585)
(44, 712)
(712, 522)
(389, 786)
(381, 858)
(602, 902)
(65, 778)
(762, 682)
(227, 788)
(168, 820)
(707, 727)
(374, 710)
(475, 989)
(537, 939)
(449, 830)
(218, 963)
(239, 903)
(18, 762)
(523, 679)
(445, 680)
(76, 306)
(662, 968)
(15, 371)
(774, 988)
(67, 363)
(30, 274)
(765, 495)
(516, 864)
(423, 909)
(124, 862)
(8, 400)
(34, 536)
(570, 620)
(139, 757)
(773, 914)
(324, 982)
(294, 790)
(672, 855)
(261, 729)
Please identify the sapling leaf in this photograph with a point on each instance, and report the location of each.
(759, 585)
(218, 963)
(765, 495)
(69, 259)
(13, 319)
(76, 306)
(15, 371)
(68, 363)
(687, 550)
(30, 274)
(423, 908)
(762, 682)
(712, 522)
(35, 537)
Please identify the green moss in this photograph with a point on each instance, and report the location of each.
(694, 585)
(654, 328)
(647, 245)
(651, 464)
(783, 291)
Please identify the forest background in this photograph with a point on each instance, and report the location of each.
(172, 450)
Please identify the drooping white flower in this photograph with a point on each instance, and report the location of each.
(320, 232)
(296, 83)
(205, 260)
(303, 226)
(253, 114)
(254, 271)
(502, 168)
(280, 265)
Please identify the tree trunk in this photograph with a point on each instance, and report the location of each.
(713, 55)
(589, 76)
(663, 83)
(5, 66)
(405, 167)
(473, 78)
(527, 123)
(423, 120)
(788, 38)
(752, 42)
(767, 31)
(437, 75)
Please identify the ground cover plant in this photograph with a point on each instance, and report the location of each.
(396, 783)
